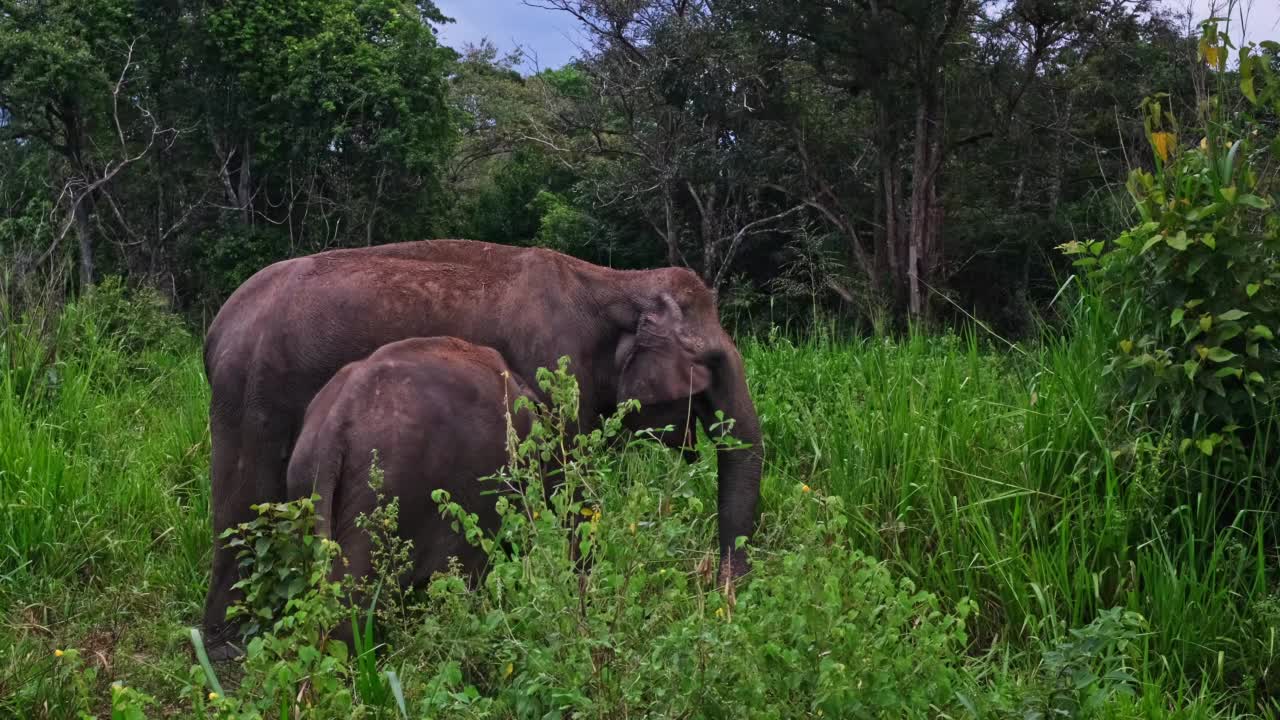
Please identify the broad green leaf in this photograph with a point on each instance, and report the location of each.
(1206, 322)
(1190, 367)
(1224, 372)
(1175, 317)
(1229, 194)
(1179, 241)
(1210, 241)
(1255, 376)
(1254, 201)
(1193, 304)
(1232, 314)
(1261, 331)
(1199, 213)
(1246, 74)
(1220, 354)
(1226, 332)
(1206, 446)
(1151, 241)
(1252, 289)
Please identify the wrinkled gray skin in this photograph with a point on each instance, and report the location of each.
(435, 410)
(652, 335)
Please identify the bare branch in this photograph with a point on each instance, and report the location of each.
(750, 228)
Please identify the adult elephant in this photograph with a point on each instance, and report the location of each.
(651, 335)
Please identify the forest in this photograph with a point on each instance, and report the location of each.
(808, 157)
(1004, 274)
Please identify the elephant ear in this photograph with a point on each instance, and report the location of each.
(656, 364)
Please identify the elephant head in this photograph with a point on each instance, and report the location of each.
(677, 360)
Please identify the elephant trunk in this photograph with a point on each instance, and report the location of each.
(738, 469)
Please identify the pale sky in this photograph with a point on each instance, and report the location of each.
(549, 37)
(554, 36)
(1262, 17)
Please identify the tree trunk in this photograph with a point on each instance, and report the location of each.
(80, 211)
(891, 250)
(924, 246)
(246, 186)
(672, 235)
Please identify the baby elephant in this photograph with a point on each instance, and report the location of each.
(435, 410)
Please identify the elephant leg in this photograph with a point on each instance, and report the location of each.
(249, 459)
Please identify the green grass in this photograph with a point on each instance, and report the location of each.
(1004, 477)
(995, 474)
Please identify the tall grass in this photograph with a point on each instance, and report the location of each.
(1006, 476)
(980, 471)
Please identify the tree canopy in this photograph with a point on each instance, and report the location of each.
(892, 160)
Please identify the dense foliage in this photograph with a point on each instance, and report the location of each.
(1202, 269)
(886, 160)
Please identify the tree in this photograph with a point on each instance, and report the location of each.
(190, 141)
(666, 129)
(69, 73)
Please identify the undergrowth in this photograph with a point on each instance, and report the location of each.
(947, 528)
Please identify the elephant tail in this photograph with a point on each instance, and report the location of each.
(316, 468)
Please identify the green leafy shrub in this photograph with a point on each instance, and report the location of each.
(220, 259)
(1202, 269)
(561, 226)
(818, 629)
(290, 607)
(131, 320)
(1085, 671)
(281, 560)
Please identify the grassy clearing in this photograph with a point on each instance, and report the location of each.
(999, 476)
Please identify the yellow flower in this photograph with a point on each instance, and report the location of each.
(1163, 143)
(587, 512)
(632, 528)
(57, 653)
(805, 488)
(510, 669)
(1212, 55)
(535, 514)
(719, 612)
(595, 516)
(1204, 144)
(213, 696)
